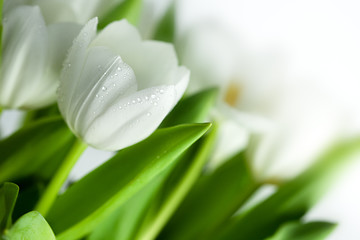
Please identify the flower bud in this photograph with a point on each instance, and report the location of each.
(115, 88)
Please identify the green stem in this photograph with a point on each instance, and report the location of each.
(51, 192)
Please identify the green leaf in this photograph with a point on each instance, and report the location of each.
(89, 201)
(165, 30)
(213, 199)
(294, 198)
(128, 9)
(37, 148)
(192, 109)
(304, 231)
(8, 195)
(177, 185)
(124, 222)
(31, 226)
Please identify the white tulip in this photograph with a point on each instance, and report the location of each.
(115, 88)
(32, 56)
(291, 123)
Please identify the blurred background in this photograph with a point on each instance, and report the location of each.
(296, 63)
(313, 50)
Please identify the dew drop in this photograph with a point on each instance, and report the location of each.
(133, 101)
(155, 103)
(146, 98)
(104, 88)
(97, 95)
(148, 114)
(161, 91)
(138, 99)
(153, 96)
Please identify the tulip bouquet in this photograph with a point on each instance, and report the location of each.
(183, 163)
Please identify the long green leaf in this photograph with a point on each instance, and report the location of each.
(93, 198)
(214, 198)
(8, 195)
(293, 199)
(126, 222)
(37, 148)
(178, 184)
(304, 231)
(123, 223)
(31, 226)
(192, 109)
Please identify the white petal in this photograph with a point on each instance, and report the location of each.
(154, 63)
(73, 66)
(105, 78)
(56, 11)
(24, 47)
(131, 119)
(9, 5)
(61, 36)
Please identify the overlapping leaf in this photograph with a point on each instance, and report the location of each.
(97, 195)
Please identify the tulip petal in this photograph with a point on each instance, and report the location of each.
(105, 78)
(24, 40)
(72, 69)
(131, 119)
(153, 62)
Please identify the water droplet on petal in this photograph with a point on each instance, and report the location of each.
(148, 114)
(153, 96)
(161, 91)
(104, 88)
